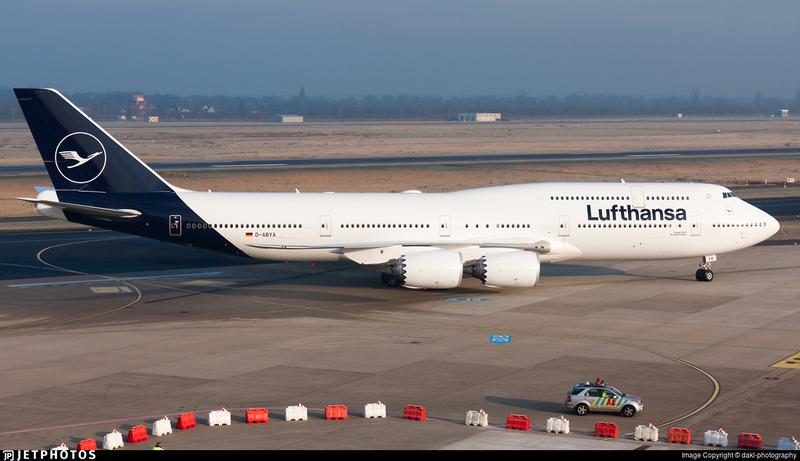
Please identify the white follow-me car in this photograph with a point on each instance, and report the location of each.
(586, 397)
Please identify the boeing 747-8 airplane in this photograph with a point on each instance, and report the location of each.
(499, 235)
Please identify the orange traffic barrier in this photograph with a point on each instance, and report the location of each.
(186, 421)
(336, 412)
(610, 430)
(87, 445)
(679, 435)
(518, 422)
(137, 434)
(750, 440)
(257, 416)
(415, 412)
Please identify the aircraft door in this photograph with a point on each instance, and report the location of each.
(611, 400)
(563, 226)
(444, 226)
(637, 197)
(325, 226)
(696, 225)
(175, 225)
(595, 397)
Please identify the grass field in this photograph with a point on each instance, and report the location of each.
(236, 141)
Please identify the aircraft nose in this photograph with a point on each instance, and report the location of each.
(773, 226)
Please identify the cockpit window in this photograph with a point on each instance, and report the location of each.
(728, 195)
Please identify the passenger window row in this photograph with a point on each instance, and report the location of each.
(616, 197)
(245, 226)
(627, 226)
(751, 224)
(384, 226)
(501, 226)
(667, 197)
(589, 197)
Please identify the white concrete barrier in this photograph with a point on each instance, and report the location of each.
(477, 418)
(296, 413)
(647, 433)
(219, 418)
(375, 410)
(162, 427)
(558, 425)
(113, 440)
(718, 438)
(788, 444)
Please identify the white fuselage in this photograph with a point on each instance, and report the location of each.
(499, 235)
(575, 220)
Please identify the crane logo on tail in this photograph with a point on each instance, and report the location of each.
(80, 158)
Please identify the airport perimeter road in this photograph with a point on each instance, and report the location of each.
(109, 331)
(422, 160)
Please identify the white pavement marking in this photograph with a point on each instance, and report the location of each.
(509, 440)
(653, 155)
(107, 290)
(206, 283)
(143, 277)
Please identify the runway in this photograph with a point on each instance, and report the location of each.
(111, 331)
(428, 160)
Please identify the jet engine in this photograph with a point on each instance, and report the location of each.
(509, 269)
(429, 269)
(47, 193)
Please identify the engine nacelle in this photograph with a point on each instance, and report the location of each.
(47, 210)
(430, 269)
(511, 269)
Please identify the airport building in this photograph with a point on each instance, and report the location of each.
(289, 119)
(479, 117)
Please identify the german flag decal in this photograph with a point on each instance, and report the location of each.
(248, 234)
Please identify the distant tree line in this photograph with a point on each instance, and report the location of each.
(116, 104)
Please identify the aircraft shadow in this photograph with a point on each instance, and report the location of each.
(563, 270)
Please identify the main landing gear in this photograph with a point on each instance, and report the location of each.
(390, 280)
(704, 274)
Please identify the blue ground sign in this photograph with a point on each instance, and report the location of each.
(500, 339)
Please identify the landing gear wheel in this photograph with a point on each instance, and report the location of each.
(390, 280)
(582, 409)
(704, 273)
(628, 411)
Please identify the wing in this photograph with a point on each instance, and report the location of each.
(376, 253)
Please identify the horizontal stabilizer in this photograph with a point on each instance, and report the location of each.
(86, 209)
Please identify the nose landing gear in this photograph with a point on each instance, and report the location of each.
(704, 274)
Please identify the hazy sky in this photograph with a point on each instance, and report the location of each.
(447, 47)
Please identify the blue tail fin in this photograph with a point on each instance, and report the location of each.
(80, 155)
